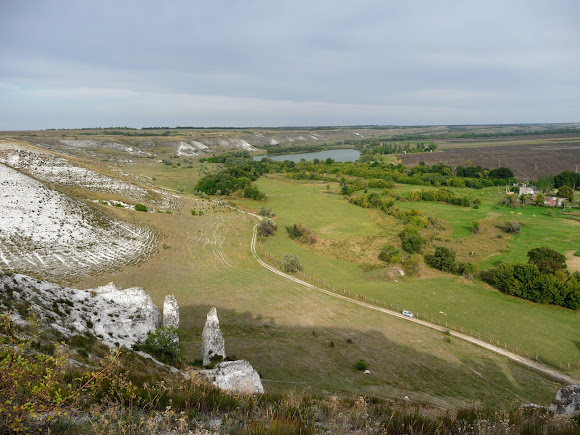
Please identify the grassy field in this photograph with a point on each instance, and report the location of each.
(302, 340)
(551, 332)
(298, 339)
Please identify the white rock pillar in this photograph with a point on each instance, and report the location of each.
(212, 344)
(170, 312)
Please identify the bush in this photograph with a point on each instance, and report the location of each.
(267, 212)
(291, 263)
(443, 259)
(361, 365)
(414, 265)
(411, 240)
(141, 207)
(513, 227)
(163, 344)
(302, 233)
(468, 270)
(193, 212)
(266, 227)
(34, 389)
(547, 260)
(252, 192)
(390, 254)
(476, 226)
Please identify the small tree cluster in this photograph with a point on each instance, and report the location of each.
(252, 192)
(543, 279)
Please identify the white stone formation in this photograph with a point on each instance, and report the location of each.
(212, 344)
(170, 312)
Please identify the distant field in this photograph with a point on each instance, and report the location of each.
(528, 157)
(341, 259)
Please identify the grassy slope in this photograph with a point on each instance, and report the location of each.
(549, 331)
(286, 331)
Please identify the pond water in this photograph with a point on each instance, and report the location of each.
(338, 155)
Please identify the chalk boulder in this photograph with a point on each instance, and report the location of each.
(567, 400)
(212, 344)
(235, 377)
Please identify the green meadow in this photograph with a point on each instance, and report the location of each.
(350, 238)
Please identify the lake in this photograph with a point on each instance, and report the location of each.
(338, 155)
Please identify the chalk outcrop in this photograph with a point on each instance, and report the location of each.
(212, 344)
(170, 312)
(117, 317)
(235, 377)
(567, 400)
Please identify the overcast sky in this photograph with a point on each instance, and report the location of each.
(137, 63)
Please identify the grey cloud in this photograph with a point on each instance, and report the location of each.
(453, 54)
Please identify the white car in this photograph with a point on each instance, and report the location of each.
(407, 313)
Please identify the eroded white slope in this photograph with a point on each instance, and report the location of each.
(45, 232)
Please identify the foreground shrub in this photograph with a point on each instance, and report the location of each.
(163, 344)
(141, 207)
(34, 390)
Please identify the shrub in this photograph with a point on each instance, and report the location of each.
(361, 365)
(193, 212)
(390, 254)
(34, 389)
(443, 259)
(291, 263)
(252, 192)
(302, 233)
(267, 212)
(411, 240)
(414, 265)
(266, 227)
(141, 207)
(468, 270)
(163, 344)
(547, 260)
(513, 227)
(476, 226)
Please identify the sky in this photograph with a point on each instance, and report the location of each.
(230, 63)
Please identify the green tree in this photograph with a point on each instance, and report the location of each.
(547, 260)
(566, 191)
(539, 199)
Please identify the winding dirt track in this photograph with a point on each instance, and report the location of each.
(514, 357)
